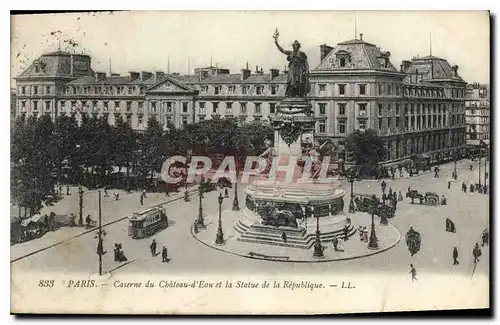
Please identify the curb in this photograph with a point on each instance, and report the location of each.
(91, 230)
(302, 261)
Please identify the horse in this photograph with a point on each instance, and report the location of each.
(413, 194)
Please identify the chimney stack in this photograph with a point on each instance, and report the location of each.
(455, 70)
(324, 50)
(274, 73)
(100, 76)
(361, 36)
(145, 75)
(159, 75)
(405, 65)
(203, 75)
(71, 66)
(245, 73)
(133, 75)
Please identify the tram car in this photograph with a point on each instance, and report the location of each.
(146, 223)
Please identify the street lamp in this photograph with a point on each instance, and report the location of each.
(318, 248)
(219, 239)
(200, 223)
(236, 204)
(373, 243)
(80, 195)
(351, 176)
(479, 164)
(383, 185)
(455, 156)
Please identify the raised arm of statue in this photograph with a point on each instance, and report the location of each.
(280, 48)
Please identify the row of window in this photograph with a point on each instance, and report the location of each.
(245, 89)
(36, 90)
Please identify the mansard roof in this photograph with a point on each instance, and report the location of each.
(433, 68)
(358, 54)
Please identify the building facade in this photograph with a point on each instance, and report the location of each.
(477, 114)
(417, 109)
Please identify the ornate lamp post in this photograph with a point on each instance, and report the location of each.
(455, 156)
(200, 223)
(80, 195)
(351, 176)
(373, 243)
(383, 185)
(219, 239)
(236, 204)
(318, 248)
(479, 164)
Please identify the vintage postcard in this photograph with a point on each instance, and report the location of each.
(240, 162)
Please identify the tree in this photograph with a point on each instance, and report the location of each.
(32, 165)
(150, 156)
(366, 149)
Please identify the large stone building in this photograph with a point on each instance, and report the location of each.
(418, 108)
(477, 114)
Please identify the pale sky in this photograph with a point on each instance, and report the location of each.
(144, 40)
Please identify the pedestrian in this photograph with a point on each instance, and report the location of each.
(186, 196)
(100, 247)
(360, 231)
(476, 252)
(455, 256)
(409, 189)
(152, 247)
(195, 228)
(449, 184)
(284, 237)
(164, 256)
(141, 198)
(413, 272)
(436, 170)
(485, 238)
(106, 193)
(390, 191)
(117, 252)
(335, 242)
(471, 189)
(144, 193)
(340, 245)
(60, 189)
(485, 189)
(365, 234)
(471, 167)
(346, 232)
(121, 253)
(464, 187)
(167, 190)
(67, 189)
(400, 196)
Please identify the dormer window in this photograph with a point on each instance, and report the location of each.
(39, 67)
(343, 58)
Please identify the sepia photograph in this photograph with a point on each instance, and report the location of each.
(249, 162)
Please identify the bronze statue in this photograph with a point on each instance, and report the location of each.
(298, 74)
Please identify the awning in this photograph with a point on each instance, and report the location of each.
(26, 222)
(38, 218)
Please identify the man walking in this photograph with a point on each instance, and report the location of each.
(67, 189)
(455, 256)
(141, 198)
(164, 255)
(449, 184)
(413, 272)
(153, 248)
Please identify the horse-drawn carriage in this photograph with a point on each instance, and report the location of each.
(429, 198)
(364, 203)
